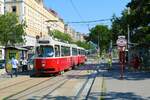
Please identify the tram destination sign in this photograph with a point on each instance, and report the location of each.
(44, 42)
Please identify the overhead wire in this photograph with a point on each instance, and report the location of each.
(91, 21)
(76, 10)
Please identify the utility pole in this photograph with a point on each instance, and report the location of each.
(128, 38)
(98, 44)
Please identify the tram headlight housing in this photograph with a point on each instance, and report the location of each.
(43, 65)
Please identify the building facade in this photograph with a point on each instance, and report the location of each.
(1, 12)
(37, 18)
(1, 6)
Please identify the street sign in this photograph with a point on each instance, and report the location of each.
(121, 41)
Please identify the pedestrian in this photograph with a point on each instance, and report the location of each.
(24, 65)
(136, 63)
(109, 62)
(14, 63)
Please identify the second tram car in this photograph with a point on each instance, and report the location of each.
(54, 56)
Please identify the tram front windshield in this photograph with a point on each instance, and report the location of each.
(45, 51)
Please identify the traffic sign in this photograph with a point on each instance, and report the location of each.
(121, 41)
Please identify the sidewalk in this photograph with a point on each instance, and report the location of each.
(134, 86)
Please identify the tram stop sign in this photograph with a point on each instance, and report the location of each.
(121, 41)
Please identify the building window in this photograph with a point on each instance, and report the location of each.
(14, 9)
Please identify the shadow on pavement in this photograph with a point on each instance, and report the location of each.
(123, 96)
(128, 75)
(49, 97)
(114, 73)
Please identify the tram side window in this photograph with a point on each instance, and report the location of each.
(65, 51)
(57, 51)
(82, 52)
(79, 51)
(74, 51)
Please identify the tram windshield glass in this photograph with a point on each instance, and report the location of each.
(45, 51)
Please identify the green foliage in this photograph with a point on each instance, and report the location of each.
(119, 26)
(102, 34)
(85, 45)
(62, 36)
(11, 31)
(138, 20)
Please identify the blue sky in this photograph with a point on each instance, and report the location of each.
(87, 10)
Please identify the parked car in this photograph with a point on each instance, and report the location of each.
(2, 64)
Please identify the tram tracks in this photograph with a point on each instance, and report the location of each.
(45, 87)
(34, 86)
(86, 88)
(78, 96)
(50, 86)
(15, 84)
(26, 89)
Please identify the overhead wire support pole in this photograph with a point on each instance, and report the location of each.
(128, 38)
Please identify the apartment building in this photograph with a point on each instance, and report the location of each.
(79, 36)
(1, 12)
(38, 19)
(1, 6)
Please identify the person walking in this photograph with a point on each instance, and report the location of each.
(14, 63)
(25, 66)
(109, 62)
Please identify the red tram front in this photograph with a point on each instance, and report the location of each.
(54, 56)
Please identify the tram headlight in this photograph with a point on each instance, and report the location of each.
(43, 65)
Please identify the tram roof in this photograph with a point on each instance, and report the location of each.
(51, 41)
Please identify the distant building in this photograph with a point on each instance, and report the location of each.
(75, 35)
(1, 6)
(80, 36)
(38, 19)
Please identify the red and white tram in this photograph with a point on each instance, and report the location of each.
(53, 56)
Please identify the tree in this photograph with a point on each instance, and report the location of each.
(138, 21)
(62, 36)
(119, 26)
(102, 35)
(85, 45)
(11, 31)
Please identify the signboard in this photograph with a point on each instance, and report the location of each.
(121, 41)
(44, 41)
